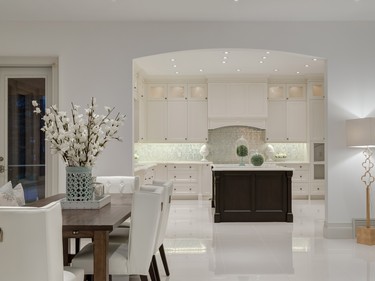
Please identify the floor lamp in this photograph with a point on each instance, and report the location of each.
(361, 133)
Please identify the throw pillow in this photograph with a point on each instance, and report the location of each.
(8, 199)
(19, 194)
(6, 187)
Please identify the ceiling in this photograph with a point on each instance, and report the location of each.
(237, 62)
(190, 63)
(187, 10)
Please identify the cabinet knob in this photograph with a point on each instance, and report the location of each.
(318, 188)
(300, 188)
(190, 189)
(185, 138)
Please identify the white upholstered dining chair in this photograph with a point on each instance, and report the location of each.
(134, 257)
(31, 245)
(119, 184)
(120, 235)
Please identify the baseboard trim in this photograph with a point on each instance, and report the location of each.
(338, 230)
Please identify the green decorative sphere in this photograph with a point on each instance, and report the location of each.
(242, 150)
(257, 159)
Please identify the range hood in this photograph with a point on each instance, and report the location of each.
(218, 122)
(237, 104)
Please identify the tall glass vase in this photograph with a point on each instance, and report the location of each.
(79, 184)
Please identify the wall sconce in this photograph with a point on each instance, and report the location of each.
(360, 133)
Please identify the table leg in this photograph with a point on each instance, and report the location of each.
(101, 260)
(66, 251)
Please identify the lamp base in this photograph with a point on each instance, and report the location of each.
(366, 235)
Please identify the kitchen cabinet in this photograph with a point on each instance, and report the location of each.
(300, 179)
(317, 112)
(197, 124)
(287, 113)
(252, 195)
(190, 180)
(185, 179)
(157, 119)
(286, 121)
(317, 186)
(175, 113)
(177, 121)
(206, 181)
(240, 102)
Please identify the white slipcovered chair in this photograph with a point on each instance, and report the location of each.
(134, 257)
(120, 235)
(31, 245)
(119, 184)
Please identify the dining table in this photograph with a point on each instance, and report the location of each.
(95, 224)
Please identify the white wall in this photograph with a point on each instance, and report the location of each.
(95, 60)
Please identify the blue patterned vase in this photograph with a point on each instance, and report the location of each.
(79, 184)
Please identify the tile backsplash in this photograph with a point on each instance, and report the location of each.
(221, 145)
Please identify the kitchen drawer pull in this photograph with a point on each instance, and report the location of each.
(75, 232)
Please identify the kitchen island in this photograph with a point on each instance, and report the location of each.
(252, 194)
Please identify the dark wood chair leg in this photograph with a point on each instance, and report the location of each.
(143, 278)
(156, 270)
(164, 259)
(151, 272)
(77, 245)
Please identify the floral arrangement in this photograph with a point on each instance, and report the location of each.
(80, 139)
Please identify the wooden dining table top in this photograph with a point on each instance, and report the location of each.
(107, 218)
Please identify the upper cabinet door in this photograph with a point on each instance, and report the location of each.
(177, 91)
(197, 92)
(156, 91)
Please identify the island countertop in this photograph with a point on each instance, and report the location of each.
(249, 167)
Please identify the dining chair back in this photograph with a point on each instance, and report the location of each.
(31, 245)
(134, 257)
(119, 184)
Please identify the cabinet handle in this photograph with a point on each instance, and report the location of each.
(165, 166)
(318, 188)
(185, 138)
(175, 167)
(300, 188)
(190, 189)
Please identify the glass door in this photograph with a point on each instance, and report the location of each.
(22, 145)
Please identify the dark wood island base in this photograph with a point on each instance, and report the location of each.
(252, 195)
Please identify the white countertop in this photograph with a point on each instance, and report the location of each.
(249, 167)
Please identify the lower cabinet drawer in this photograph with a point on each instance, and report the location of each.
(185, 189)
(317, 189)
(299, 189)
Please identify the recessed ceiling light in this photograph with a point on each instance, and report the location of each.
(224, 61)
(224, 58)
(172, 59)
(238, 70)
(314, 59)
(307, 65)
(236, 0)
(268, 52)
(174, 65)
(260, 61)
(298, 72)
(275, 70)
(177, 72)
(264, 58)
(201, 70)
(226, 52)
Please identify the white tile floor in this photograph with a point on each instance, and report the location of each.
(199, 250)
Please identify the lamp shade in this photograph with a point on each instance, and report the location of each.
(360, 132)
